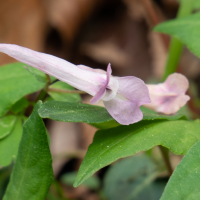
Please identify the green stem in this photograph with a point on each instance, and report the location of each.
(175, 51)
(43, 92)
(176, 47)
(59, 190)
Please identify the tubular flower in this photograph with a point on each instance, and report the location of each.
(122, 97)
(169, 96)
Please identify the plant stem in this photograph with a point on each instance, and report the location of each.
(43, 92)
(175, 51)
(176, 47)
(48, 78)
(59, 190)
(65, 91)
(48, 83)
(165, 156)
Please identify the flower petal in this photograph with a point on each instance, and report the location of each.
(169, 96)
(176, 83)
(82, 79)
(100, 71)
(132, 93)
(102, 90)
(133, 89)
(172, 104)
(124, 112)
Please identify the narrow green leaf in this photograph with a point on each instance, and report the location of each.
(6, 125)
(77, 112)
(186, 29)
(112, 144)
(184, 183)
(9, 145)
(32, 174)
(133, 178)
(92, 183)
(58, 96)
(39, 75)
(15, 82)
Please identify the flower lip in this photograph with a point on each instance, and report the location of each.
(169, 97)
(108, 90)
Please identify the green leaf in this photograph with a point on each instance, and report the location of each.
(6, 125)
(58, 96)
(39, 75)
(186, 29)
(20, 105)
(184, 183)
(74, 112)
(111, 144)
(9, 145)
(77, 112)
(196, 4)
(32, 174)
(4, 179)
(92, 183)
(133, 178)
(15, 82)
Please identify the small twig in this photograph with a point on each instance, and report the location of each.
(48, 78)
(48, 83)
(65, 91)
(166, 159)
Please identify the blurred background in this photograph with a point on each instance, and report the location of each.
(94, 33)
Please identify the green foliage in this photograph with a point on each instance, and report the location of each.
(112, 144)
(197, 4)
(184, 183)
(58, 96)
(15, 82)
(95, 115)
(186, 29)
(20, 106)
(92, 183)
(133, 179)
(176, 47)
(39, 75)
(4, 179)
(9, 144)
(74, 112)
(32, 174)
(6, 125)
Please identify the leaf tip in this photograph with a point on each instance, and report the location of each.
(157, 28)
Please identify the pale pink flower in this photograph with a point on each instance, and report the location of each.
(169, 97)
(122, 97)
